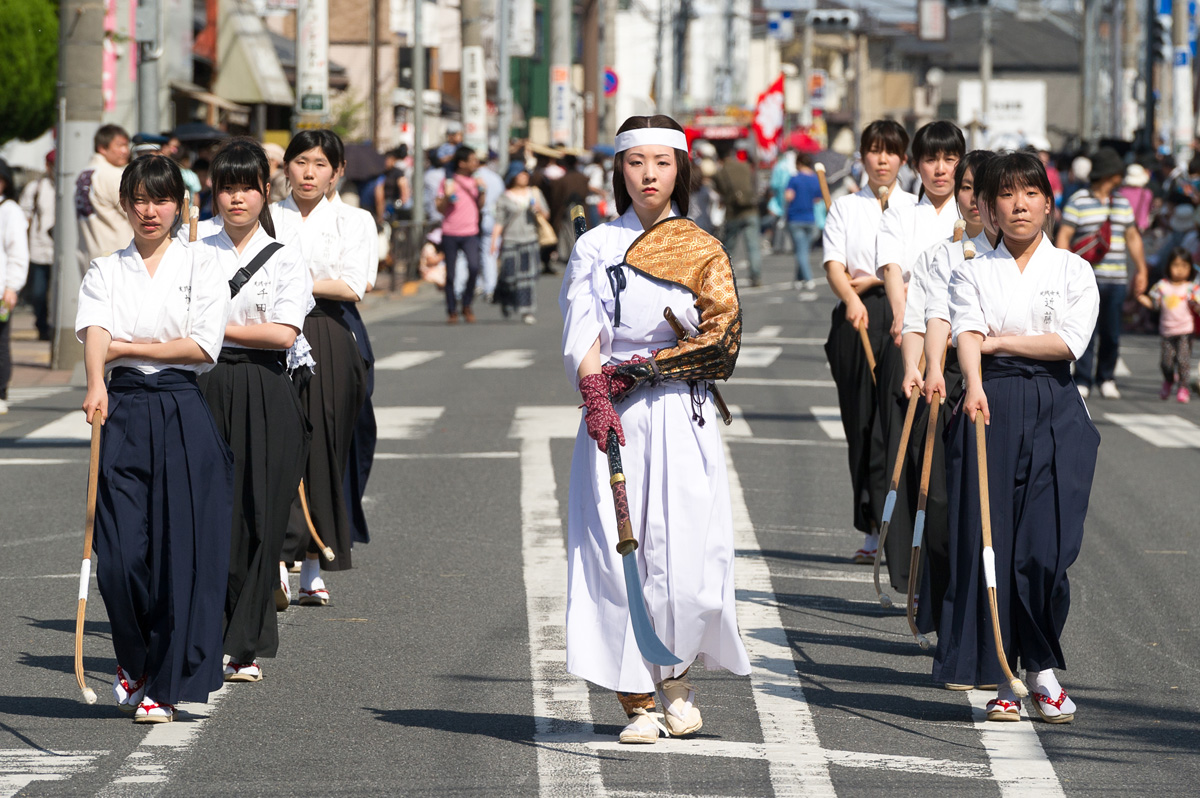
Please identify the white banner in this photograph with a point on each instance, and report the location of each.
(474, 100)
(1016, 110)
(400, 20)
(312, 58)
(522, 39)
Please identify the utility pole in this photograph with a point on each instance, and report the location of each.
(1129, 69)
(80, 109)
(504, 83)
(683, 19)
(146, 34)
(609, 126)
(591, 71)
(373, 83)
(806, 69)
(1183, 128)
(418, 154)
(473, 82)
(561, 121)
(1089, 95)
(985, 74)
(1151, 138)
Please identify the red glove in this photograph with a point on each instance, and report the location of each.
(601, 417)
(620, 384)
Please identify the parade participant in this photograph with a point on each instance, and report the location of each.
(927, 316)
(620, 278)
(357, 223)
(849, 244)
(907, 234)
(14, 270)
(1019, 315)
(1176, 296)
(155, 313)
(334, 395)
(255, 404)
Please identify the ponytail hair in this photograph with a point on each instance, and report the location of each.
(242, 161)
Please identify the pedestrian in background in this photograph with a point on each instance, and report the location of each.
(279, 184)
(493, 185)
(103, 226)
(1098, 223)
(14, 269)
(1177, 298)
(460, 199)
(735, 183)
(164, 496)
(802, 193)
(515, 238)
(38, 203)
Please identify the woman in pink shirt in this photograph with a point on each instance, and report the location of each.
(459, 200)
(1176, 296)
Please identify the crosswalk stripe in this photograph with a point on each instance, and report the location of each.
(406, 423)
(1163, 431)
(68, 428)
(504, 359)
(405, 360)
(18, 395)
(830, 421)
(758, 356)
(20, 767)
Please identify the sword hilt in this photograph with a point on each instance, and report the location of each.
(626, 542)
(682, 335)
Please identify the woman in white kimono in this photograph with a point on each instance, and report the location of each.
(334, 395)
(253, 401)
(154, 313)
(620, 278)
(1019, 315)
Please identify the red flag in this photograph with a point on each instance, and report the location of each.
(768, 115)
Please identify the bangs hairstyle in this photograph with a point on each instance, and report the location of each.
(683, 165)
(329, 143)
(887, 135)
(1179, 253)
(1009, 172)
(973, 160)
(938, 138)
(156, 176)
(242, 161)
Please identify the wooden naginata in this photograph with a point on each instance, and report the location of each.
(889, 504)
(85, 571)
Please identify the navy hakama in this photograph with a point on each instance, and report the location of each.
(1042, 449)
(362, 448)
(258, 413)
(162, 532)
(857, 397)
(332, 400)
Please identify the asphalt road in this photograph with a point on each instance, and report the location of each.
(437, 669)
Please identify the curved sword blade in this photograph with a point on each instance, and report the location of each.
(649, 645)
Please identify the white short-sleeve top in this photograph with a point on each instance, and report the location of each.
(278, 292)
(906, 232)
(359, 223)
(330, 251)
(851, 228)
(1055, 294)
(188, 297)
(935, 281)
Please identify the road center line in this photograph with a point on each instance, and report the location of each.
(1019, 763)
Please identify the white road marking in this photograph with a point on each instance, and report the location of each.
(1122, 370)
(504, 359)
(25, 461)
(41, 539)
(783, 382)
(44, 576)
(823, 574)
(405, 360)
(1163, 431)
(69, 428)
(560, 701)
(739, 428)
(18, 395)
(758, 356)
(830, 421)
(147, 769)
(406, 423)
(447, 456)
(767, 331)
(21, 767)
(1019, 763)
(789, 442)
(754, 339)
(797, 764)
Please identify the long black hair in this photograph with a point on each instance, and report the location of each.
(683, 165)
(158, 177)
(242, 161)
(329, 142)
(6, 174)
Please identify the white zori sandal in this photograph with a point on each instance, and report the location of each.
(679, 706)
(151, 711)
(128, 694)
(1049, 698)
(644, 728)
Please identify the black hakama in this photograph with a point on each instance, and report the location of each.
(856, 396)
(258, 413)
(885, 438)
(162, 532)
(1041, 457)
(362, 448)
(331, 399)
(935, 552)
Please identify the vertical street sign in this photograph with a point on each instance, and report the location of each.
(312, 63)
(560, 105)
(474, 99)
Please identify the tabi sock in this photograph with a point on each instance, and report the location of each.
(1046, 683)
(310, 573)
(870, 541)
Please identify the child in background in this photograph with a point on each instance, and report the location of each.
(1175, 296)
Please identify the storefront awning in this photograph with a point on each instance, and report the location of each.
(249, 70)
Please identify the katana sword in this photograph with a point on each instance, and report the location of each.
(651, 648)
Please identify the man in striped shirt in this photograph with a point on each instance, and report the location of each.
(1084, 214)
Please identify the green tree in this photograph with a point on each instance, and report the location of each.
(28, 78)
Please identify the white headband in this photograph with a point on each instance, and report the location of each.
(658, 136)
